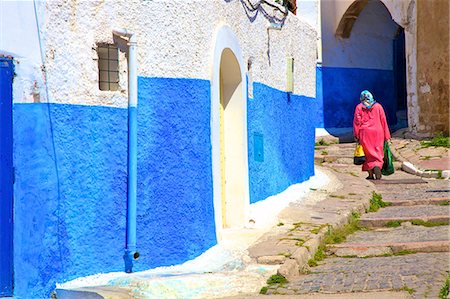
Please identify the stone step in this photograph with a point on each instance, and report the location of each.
(394, 181)
(395, 294)
(413, 202)
(110, 292)
(427, 213)
(369, 250)
(333, 158)
(388, 241)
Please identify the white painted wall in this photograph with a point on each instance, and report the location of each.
(370, 42)
(175, 39)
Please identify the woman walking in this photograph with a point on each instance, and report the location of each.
(371, 130)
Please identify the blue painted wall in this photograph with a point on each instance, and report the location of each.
(70, 194)
(341, 90)
(175, 215)
(286, 123)
(71, 180)
(71, 211)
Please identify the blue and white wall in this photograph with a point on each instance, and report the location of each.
(362, 61)
(70, 138)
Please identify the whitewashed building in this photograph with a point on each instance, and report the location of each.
(143, 129)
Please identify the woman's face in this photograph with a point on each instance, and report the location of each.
(366, 103)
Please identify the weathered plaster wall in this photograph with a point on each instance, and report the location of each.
(71, 153)
(433, 66)
(175, 198)
(69, 195)
(71, 185)
(170, 44)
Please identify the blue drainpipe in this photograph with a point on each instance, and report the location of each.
(131, 254)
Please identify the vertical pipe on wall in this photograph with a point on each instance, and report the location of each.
(130, 251)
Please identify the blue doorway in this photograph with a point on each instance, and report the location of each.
(6, 178)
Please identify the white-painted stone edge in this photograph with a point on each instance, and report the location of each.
(411, 169)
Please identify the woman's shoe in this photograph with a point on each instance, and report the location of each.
(377, 172)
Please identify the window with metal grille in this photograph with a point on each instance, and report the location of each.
(108, 67)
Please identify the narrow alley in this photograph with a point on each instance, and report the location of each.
(200, 149)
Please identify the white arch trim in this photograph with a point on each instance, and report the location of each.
(225, 38)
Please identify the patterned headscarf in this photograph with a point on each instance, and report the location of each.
(367, 99)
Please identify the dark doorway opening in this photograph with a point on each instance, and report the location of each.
(399, 67)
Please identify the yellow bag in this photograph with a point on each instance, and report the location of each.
(358, 157)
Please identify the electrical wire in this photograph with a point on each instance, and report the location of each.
(255, 8)
(58, 206)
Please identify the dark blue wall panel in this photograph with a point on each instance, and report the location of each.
(6, 178)
(286, 123)
(341, 90)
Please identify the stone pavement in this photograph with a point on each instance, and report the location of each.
(411, 255)
(423, 273)
(410, 154)
(419, 160)
(355, 295)
(408, 259)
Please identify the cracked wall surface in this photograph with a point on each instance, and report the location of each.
(170, 44)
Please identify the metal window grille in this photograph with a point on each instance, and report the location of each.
(108, 67)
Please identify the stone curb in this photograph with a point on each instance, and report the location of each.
(382, 221)
(412, 169)
(93, 293)
(366, 249)
(297, 263)
(406, 202)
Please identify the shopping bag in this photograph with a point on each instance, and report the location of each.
(388, 163)
(358, 157)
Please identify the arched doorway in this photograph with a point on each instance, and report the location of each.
(231, 141)
(365, 50)
(229, 133)
(379, 42)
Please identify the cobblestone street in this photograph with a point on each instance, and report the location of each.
(423, 273)
(401, 247)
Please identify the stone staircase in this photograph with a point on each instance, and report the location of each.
(403, 246)
(432, 214)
